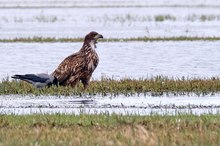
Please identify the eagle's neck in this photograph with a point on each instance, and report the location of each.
(92, 44)
(88, 46)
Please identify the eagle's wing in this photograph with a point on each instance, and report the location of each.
(68, 67)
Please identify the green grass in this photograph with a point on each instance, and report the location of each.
(154, 86)
(146, 39)
(109, 130)
(128, 19)
(164, 18)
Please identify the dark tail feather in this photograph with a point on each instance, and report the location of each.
(21, 77)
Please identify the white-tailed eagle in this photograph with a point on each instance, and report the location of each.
(80, 65)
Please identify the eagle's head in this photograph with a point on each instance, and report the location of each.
(92, 38)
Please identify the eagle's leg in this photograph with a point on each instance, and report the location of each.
(85, 82)
(72, 81)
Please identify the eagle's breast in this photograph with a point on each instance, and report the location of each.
(91, 65)
(93, 60)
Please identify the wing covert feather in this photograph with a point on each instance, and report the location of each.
(67, 67)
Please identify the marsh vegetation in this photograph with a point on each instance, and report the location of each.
(155, 86)
(161, 42)
(145, 39)
(107, 129)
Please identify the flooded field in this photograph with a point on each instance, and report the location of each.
(118, 59)
(141, 105)
(134, 59)
(140, 19)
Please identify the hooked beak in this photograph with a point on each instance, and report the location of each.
(98, 36)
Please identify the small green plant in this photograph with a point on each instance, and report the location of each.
(164, 18)
(46, 19)
(203, 18)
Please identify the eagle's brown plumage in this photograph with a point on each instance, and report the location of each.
(79, 66)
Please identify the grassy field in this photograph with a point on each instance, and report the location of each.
(155, 86)
(109, 130)
(53, 39)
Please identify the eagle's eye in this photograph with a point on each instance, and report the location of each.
(94, 34)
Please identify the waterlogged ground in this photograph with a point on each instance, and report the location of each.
(113, 19)
(129, 19)
(141, 105)
(118, 59)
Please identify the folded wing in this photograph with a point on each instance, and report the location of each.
(71, 66)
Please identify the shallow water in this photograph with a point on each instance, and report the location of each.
(122, 22)
(142, 105)
(137, 18)
(118, 59)
(72, 3)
